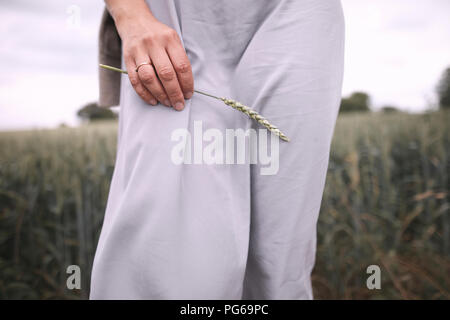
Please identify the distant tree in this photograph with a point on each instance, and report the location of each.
(443, 90)
(92, 112)
(357, 102)
(389, 109)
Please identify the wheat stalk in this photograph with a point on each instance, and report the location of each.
(232, 103)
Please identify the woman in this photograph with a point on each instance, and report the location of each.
(224, 230)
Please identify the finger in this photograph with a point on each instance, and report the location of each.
(149, 80)
(168, 77)
(182, 67)
(137, 84)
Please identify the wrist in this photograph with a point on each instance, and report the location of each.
(128, 13)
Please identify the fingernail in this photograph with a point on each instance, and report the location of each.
(188, 95)
(153, 102)
(167, 102)
(179, 106)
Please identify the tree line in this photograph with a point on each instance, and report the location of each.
(360, 101)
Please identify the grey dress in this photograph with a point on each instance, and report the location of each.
(223, 229)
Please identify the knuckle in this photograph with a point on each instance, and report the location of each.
(127, 55)
(175, 95)
(166, 73)
(146, 77)
(170, 34)
(182, 67)
(149, 39)
(134, 81)
(143, 94)
(146, 97)
(131, 48)
(160, 96)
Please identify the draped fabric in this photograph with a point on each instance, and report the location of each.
(226, 230)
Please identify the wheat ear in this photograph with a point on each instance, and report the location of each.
(232, 103)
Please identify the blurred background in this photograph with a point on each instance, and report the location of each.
(386, 200)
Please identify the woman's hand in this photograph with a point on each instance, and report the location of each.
(145, 39)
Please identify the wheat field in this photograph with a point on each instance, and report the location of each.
(386, 203)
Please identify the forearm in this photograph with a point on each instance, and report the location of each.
(125, 12)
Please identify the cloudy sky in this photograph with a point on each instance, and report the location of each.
(395, 49)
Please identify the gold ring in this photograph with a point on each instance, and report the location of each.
(142, 64)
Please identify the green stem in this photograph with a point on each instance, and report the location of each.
(207, 94)
(104, 66)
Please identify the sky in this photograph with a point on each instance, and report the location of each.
(396, 50)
